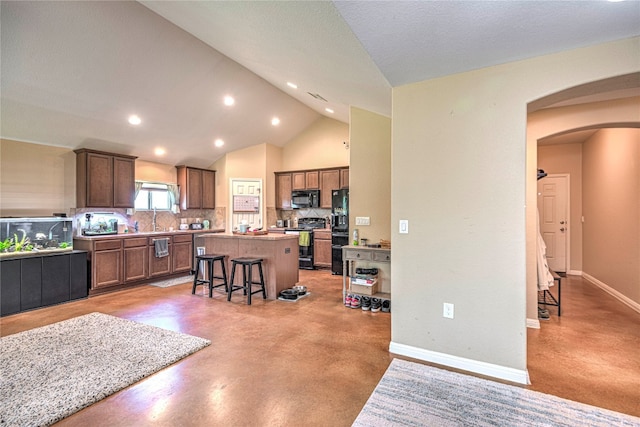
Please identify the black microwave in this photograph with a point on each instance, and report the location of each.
(305, 199)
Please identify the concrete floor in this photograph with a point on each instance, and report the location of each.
(314, 362)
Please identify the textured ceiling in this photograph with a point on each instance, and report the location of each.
(71, 72)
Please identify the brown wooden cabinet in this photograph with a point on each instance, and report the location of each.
(104, 180)
(106, 263)
(135, 262)
(283, 191)
(182, 253)
(158, 266)
(197, 188)
(322, 248)
(329, 180)
(344, 178)
(305, 180)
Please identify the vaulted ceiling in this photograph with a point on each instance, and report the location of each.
(72, 72)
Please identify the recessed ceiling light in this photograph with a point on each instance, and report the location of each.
(275, 121)
(134, 120)
(292, 85)
(159, 151)
(218, 142)
(328, 110)
(229, 101)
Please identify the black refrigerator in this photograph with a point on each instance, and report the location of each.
(339, 227)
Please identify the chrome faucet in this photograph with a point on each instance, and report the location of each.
(153, 224)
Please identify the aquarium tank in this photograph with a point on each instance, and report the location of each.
(29, 235)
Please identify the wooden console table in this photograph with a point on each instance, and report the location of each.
(351, 254)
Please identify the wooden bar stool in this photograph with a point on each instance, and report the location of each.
(247, 279)
(210, 260)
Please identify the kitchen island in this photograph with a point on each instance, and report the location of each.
(278, 251)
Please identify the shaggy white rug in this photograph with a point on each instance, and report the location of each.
(49, 373)
(411, 394)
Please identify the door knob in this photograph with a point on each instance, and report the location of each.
(561, 222)
(562, 229)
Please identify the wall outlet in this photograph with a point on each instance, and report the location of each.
(404, 226)
(363, 220)
(447, 310)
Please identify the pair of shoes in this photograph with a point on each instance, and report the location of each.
(386, 306)
(355, 301)
(376, 305)
(366, 303)
(347, 300)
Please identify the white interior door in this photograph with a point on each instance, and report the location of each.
(246, 202)
(553, 198)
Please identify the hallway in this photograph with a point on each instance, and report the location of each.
(315, 362)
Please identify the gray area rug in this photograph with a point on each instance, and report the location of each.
(411, 394)
(49, 373)
(173, 282)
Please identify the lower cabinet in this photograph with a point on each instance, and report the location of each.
(39, 281)
(182, 253)
(130, 259)
(135, 254)
(159, 266)
(322, 248)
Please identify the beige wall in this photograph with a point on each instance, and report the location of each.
(156, 172)
(611, 208)
(458, 176)
(370, 179)
(567, 159)
(318, 146)
(36, 180)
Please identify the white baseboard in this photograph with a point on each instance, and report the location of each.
(617, 295)
(533, 323)
(574, 273)
(470, 365)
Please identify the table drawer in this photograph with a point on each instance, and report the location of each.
(135, 242)
(382, 256)
(105, 245)
(356, 254)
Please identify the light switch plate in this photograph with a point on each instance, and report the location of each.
(404, 226)
(363, 220)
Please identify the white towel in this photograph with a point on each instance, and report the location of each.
(162, 247)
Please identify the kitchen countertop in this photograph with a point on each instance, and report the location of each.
(270, 236)
(147, 234)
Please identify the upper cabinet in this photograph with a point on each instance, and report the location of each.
(197, 188)
(104, 180)
(329, 181)
(305, 180)
(283, 190)
(324, 180)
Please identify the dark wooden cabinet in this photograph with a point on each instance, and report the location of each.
(322, 248)
(298, 181)
(208, 189)
(197, 188)
(329, 181)
(312, 180)
(283, 191)
(182, 253)
(104, 180)
(10, 287)
(135, 255)
(107, 264)
(159, 266)
(38, 281)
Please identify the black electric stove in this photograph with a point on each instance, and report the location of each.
(305, 253)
